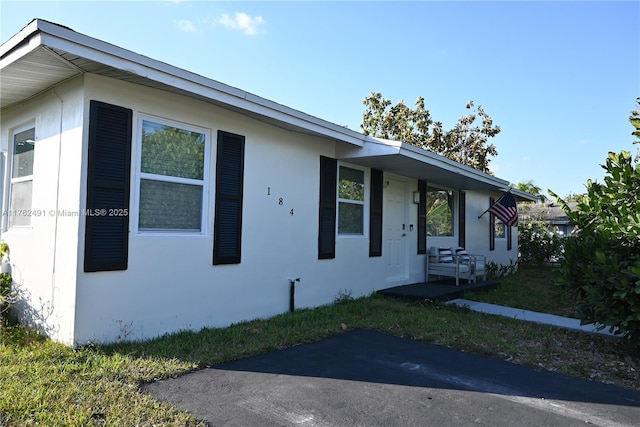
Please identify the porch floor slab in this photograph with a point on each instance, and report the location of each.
(441, 290)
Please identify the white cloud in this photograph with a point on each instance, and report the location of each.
(242, 22)
(186, 26)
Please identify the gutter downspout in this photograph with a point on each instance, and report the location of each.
(55, 227)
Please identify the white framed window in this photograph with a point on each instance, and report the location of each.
(21, 184)
(440, 212)
(172, 176)
(351, 201)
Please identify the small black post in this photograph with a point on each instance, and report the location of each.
(292, 293)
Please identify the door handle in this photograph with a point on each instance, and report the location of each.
(404, 234)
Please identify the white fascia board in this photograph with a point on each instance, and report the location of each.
(381, 147)
(468, 171)
(19, 37)
(113, 56)
(289, 115)
(523, 195)
(374, 146)
(18, 50)
(445, 163)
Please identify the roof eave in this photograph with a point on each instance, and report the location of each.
(393, 156)
(43, 33)
(19, 38)
(405, 159)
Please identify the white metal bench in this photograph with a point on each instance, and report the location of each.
(455, 262)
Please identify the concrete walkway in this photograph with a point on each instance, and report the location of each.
(529, 316)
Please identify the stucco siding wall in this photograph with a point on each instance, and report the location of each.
(43, 254)
(171, 284)
(478, 231)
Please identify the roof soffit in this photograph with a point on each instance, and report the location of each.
(34, 72)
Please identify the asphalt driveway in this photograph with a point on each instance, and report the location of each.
(364, 378)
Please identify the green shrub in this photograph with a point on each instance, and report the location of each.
(498, 271)
(601, 264)
(343, 296)
(6, 295)
(536, 244)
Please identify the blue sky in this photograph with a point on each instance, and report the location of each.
(559, 78)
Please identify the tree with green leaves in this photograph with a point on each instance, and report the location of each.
(467, 142)
(572, 197)
(538, 242)
(532, 189)
(634, 118)
(601, 265)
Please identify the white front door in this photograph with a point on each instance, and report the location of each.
(395, 229)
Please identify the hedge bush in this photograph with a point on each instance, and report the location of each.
(601, 264)
(537, 245)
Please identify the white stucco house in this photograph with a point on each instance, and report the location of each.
(141, 199)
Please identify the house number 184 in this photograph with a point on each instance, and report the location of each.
(280, 200)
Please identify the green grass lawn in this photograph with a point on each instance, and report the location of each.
(44, 383)
(533, 288)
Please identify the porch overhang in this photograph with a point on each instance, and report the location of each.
(405, 159)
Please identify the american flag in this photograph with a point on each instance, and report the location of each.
(506, 209)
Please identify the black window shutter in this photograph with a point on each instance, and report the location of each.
(422, 217)
(492, 227)
(327, 214)
(106, 241)
(227, 228)
(462, 218)
(375, 214)
(509, 244)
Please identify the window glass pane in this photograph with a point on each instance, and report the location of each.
(171, 151)
(23, 144)
(439, 212)
(351, 184)
(350, 218)
(20, 201)
(500, 229)
(169, 206)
